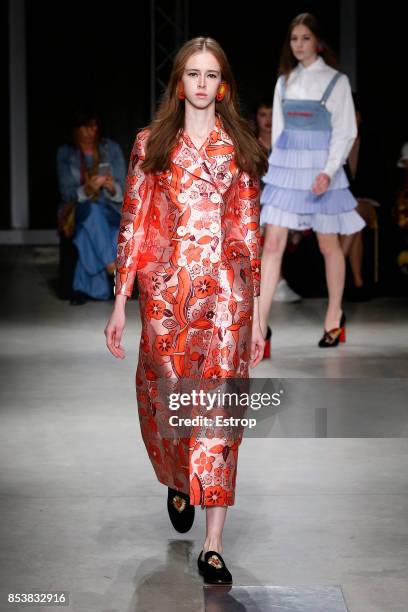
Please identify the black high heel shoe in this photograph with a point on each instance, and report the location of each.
(267, 348)
(213, 568)
(332, 337)
(181, 512)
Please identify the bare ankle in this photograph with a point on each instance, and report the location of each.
(212, 544)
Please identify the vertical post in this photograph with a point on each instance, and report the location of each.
(186, 20)
(18, 116)
(179, 20)
(152, 58)
(168, 31)
(348, 40)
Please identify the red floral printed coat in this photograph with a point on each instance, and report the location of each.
(192, 236)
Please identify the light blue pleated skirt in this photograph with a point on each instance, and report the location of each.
(287, 200)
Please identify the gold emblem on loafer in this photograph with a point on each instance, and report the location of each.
(179, 503)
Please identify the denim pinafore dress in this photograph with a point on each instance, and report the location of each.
(299, 155)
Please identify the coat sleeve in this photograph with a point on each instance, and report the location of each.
(277, 114)
(343, 116)
(134, 218)
(249, 207)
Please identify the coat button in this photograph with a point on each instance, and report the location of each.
(182, 198)
(215, 198)
(214, 257)
(214, 227)
(182, 261)
(181, 230)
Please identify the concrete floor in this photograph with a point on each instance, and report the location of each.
(81, 510)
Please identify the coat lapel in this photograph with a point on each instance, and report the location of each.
(214, 162)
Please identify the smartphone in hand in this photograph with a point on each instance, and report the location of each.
(104, 169)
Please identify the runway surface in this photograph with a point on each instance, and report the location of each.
(81, 510)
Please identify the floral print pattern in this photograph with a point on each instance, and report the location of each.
(191, 234)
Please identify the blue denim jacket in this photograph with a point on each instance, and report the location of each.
(69, 174)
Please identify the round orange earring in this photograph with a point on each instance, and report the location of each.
(180, 92)
(221, 92)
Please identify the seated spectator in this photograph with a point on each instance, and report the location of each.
(91, 174)
(400, 211)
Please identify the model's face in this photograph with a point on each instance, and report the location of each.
(201, 78)
(264, 118)
(303, 43)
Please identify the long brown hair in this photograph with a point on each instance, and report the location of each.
(82, 117)
(289, 61)
(169, 118)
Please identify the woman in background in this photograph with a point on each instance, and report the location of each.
(313, 129)
(263, 131)
(91, 174)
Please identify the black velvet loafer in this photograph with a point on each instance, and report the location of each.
(213, 568)
(181, 512)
